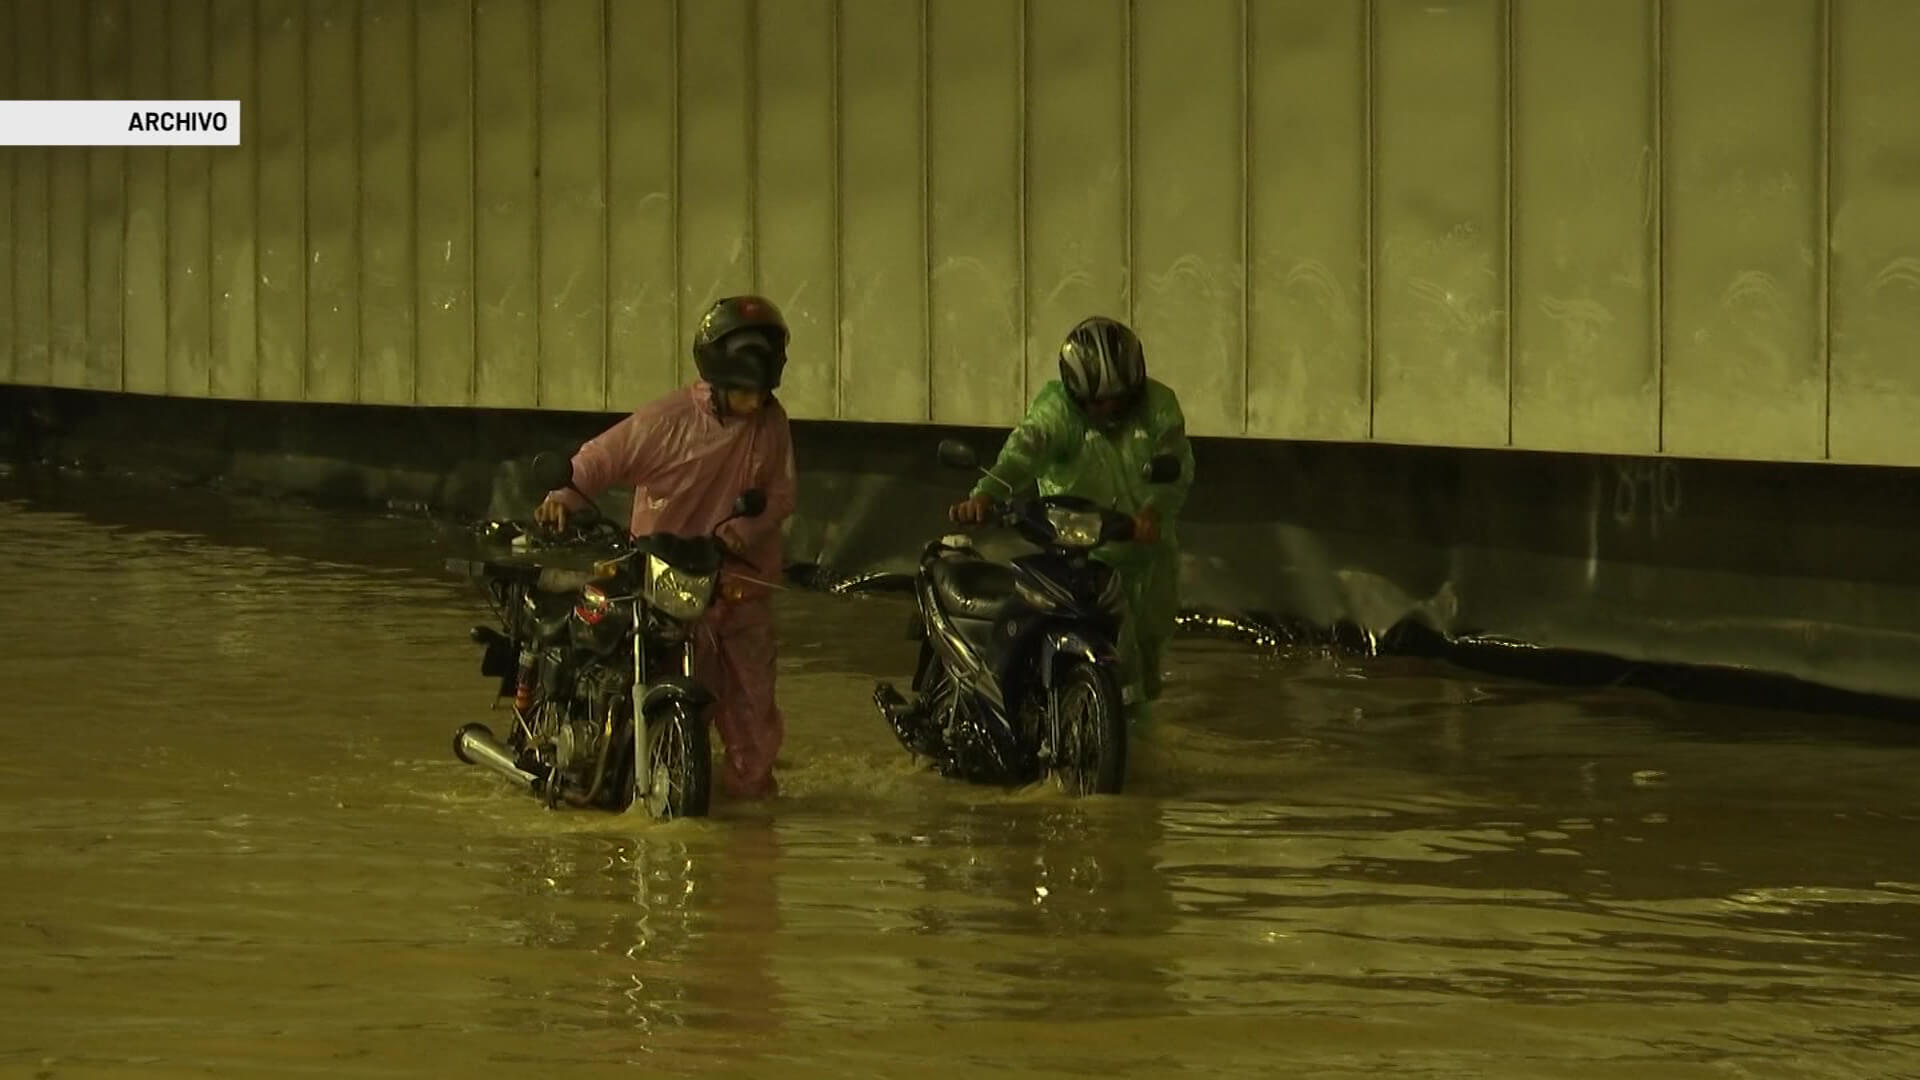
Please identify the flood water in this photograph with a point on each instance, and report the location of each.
(236, 841)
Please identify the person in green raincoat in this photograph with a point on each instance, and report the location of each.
(1091, 433)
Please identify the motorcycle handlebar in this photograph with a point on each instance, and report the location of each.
(592, 529)
(484, 569)
(539, 536)
(1011, 514)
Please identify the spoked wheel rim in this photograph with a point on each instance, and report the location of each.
(1082, 737)
(667, 763)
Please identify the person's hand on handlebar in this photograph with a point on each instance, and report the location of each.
(551, 514)
(971, 511)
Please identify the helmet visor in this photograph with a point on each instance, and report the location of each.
(749, 360)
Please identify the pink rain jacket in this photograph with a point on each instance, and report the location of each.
(686, 466)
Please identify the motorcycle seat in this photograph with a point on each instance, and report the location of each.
(973, 588)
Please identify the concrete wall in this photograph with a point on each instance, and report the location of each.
(1491, 557)
(1702, 215)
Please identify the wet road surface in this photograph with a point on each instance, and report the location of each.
(236, 841)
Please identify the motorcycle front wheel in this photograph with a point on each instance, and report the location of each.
(1092, 756)
(680, 759)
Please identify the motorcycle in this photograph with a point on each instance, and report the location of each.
(1018, 670)
(594, 651)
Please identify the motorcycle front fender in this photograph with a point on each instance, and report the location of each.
(675, 689)
(1062, 645)
(954, 650)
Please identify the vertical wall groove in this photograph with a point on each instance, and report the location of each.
(608, 302)
(675, 186)
(1507, 198)
(411, 258)
(925, 43)
(1658, 178)
(1370, 47)
(839, 214)
(306, 195)
(535, 43)
(143, 289)
(206, 197)
(166, 199)
(49, 181)
(1130, 227)
(49, 232)
(358, 232)
(9, 162)
(253, 80)
(752, 134)
(1023, 65)
(1246, 216)
(69, 209)
(1824, 245)
(126, 217)
(473, 200)
(15, 335)
(86, 197)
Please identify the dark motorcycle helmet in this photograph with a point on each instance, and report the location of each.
(741, 344)
(1103, 368)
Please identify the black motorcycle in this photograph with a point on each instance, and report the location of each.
(1018, 670)
(593, 650)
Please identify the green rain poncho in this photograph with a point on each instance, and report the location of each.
(1056, 447)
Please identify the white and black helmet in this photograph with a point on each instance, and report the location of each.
(1102, 360)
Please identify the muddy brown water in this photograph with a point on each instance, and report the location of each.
(236, 842)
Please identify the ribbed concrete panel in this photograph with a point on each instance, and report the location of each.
(1645, 227)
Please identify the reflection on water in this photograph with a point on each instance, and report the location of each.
(237, 840)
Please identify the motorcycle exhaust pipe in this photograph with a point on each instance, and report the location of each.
(475, 745)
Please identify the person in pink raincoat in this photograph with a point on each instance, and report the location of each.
(687, 456)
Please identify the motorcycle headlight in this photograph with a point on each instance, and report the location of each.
(1074, 528)
(678, 594)
(593, 605)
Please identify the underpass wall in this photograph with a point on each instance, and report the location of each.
(1646, 227)
(1503, 558)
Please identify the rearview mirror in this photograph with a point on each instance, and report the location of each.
(751, 503)
(955, 454)
(1163, 469)
(552, 471)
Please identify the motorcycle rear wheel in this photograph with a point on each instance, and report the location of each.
(680, 753)
(1092, 756)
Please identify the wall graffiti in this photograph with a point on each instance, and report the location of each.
(1647, 494)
